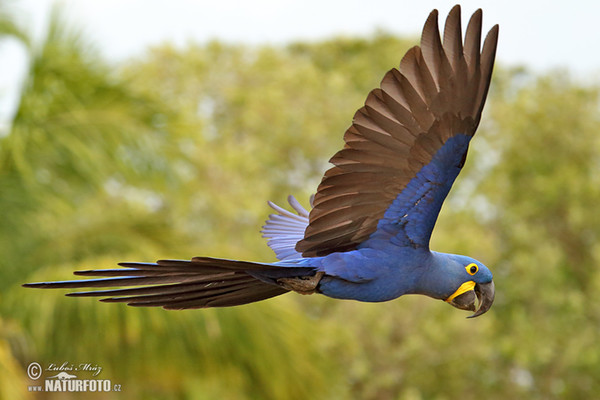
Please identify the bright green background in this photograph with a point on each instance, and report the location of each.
(174, 154)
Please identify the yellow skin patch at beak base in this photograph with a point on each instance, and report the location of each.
(465, 287)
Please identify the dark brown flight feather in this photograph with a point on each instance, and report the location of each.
(439, 91)
(176, 284)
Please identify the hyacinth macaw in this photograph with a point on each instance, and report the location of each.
(367, 235)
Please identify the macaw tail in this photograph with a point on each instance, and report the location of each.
(175, 284)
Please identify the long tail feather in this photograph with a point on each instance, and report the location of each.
(177, 284)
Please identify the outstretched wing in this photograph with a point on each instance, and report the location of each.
(407, 144)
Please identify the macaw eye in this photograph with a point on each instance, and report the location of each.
(472, 269)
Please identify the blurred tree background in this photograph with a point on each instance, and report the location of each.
(174, 155)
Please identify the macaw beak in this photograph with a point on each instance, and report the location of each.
(477, 297)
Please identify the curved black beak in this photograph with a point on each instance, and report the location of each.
(479, 299)
(485, 295)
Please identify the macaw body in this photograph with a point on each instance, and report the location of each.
(367, 235)
(392, 274)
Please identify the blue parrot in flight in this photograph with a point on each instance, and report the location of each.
(367, 235)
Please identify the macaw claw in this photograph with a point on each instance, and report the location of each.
(302, 284)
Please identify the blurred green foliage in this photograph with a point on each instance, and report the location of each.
(174, 154)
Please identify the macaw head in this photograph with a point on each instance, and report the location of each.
(472, 285)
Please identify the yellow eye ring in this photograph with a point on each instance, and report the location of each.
(472, 269)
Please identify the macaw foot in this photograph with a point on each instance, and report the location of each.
(302, 284)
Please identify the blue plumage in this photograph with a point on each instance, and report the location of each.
(396, 260)
(409, 220)
(367, 235)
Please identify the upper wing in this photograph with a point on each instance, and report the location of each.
(398, 150)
